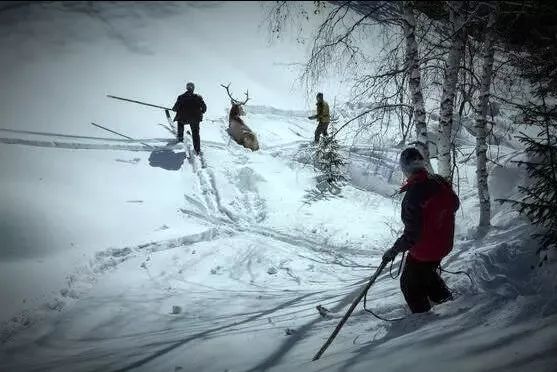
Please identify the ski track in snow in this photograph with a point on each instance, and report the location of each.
(85, 277)
(207, 185)
(211, 211)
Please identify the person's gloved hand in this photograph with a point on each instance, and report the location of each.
(390, 254)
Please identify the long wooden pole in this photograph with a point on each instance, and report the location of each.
(139, 102)
(121, 135)
(350, 310)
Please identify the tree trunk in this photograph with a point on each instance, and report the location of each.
(414, 81)
(449, 89)
(481, 123)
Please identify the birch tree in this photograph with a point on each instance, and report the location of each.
(456, 49)
(390, 79)
(414, 81)
(481, 121)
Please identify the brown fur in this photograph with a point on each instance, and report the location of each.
(238, 130)
(235, 112)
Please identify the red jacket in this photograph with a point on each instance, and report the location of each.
(428, 214)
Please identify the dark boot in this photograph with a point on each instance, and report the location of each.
(180, 134)
(438, 291)
(196, 138)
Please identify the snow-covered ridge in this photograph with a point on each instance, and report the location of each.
(261, 109)
(84, 277)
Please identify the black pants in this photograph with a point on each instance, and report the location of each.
(194, 134)
(321, 130)
(420, 283)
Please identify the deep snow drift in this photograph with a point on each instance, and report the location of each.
(118, 257)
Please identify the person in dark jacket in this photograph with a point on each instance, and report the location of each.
(189, 108)
(428, 213)
(322, 116)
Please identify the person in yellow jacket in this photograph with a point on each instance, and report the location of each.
(322, 116)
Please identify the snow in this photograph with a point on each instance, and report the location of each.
(118, 257)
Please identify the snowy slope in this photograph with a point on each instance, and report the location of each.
(253, 261)
(61, 60)
(118, 257)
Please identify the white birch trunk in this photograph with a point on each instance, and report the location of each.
(481, 123)
(449, 89)
(414, 81)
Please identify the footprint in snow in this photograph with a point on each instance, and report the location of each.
(216, 270)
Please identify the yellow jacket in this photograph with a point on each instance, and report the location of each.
(322, 115)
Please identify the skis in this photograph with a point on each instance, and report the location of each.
(186, 144)
(170, 124)
(172, 130)
(202, 160)
(169, 127)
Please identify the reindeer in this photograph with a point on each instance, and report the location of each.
(237, 129)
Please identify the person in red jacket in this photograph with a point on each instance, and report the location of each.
(428, 213)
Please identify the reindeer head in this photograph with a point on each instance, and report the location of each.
(237, 108)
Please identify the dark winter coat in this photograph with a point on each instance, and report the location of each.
(428, 214)
(189, 107)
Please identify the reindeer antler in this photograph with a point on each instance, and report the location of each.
(247, 98)
(232, 98)
(228, 91)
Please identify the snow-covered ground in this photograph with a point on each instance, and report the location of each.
(117, 257)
